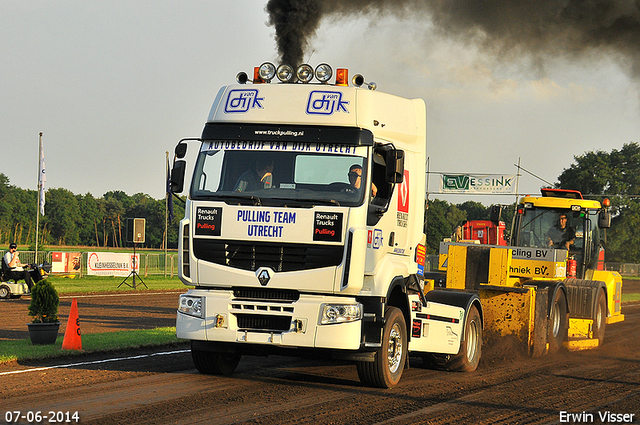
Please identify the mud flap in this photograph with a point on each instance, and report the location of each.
(541, 323)
(516, 313)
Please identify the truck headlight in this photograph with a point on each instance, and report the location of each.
(340, 313)
(193, 306)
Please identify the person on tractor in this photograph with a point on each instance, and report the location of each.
(561, 235)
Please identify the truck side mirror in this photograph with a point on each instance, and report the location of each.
(394, 171)
(177, 175)
(604, 219)
(181, 150)
(496, 213)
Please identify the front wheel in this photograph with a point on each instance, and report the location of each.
(468, 356)
(5, 292)
(214, 362)
(385, 371)
(558, 322)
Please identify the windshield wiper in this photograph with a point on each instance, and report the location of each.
(309, 200)
(255, 199)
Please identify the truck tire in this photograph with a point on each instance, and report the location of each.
(470, 351)
(5, 292)
(215, 362)
(385, 371)
(558, 322)
(600, 320)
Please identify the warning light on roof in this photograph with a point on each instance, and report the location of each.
(342, 77)
(257, 79)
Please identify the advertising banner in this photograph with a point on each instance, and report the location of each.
(112, 264)
(478, 183)
(66, 262)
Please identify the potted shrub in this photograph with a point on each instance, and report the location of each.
(44, 310)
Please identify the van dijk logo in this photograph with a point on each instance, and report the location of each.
(326, 103)
(263, 276)
(243, 100)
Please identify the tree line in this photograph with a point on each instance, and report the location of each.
(597, 174)
(82, 220)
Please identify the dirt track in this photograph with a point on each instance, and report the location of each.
(163, 389)
(98, 312)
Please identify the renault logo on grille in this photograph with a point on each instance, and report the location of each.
(263, 276)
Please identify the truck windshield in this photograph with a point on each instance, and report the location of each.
(550, 228)
(271, 177)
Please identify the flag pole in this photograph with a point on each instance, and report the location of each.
(38, 201)
(166, 214)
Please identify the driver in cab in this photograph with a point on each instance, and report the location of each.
(355, 180)
(561, 235)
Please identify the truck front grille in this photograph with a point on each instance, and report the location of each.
(259, 322)
(279, 257)
(263, 294)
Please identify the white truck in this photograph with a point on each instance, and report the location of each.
(303, 231)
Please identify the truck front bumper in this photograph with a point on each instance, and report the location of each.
(295, 324)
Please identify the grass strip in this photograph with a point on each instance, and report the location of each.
(630, 297)
(112, 284)
(22, 349)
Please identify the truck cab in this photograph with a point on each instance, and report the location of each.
(303, 231)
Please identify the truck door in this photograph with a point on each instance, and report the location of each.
(388, 211)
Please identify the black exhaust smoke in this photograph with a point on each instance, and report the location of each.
(295, 22)
(535, 28)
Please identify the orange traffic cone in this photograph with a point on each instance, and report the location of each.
(72, 339)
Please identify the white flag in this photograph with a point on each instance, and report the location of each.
(42, 178)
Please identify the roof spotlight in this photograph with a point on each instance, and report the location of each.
(267, 71)
(285, 73)
(324, 72)
(304, 73)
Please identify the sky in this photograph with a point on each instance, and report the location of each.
(113, 85)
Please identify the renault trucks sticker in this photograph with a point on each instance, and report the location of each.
(242, 100)
(208, 221)
(327, 226)
(322, 102)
